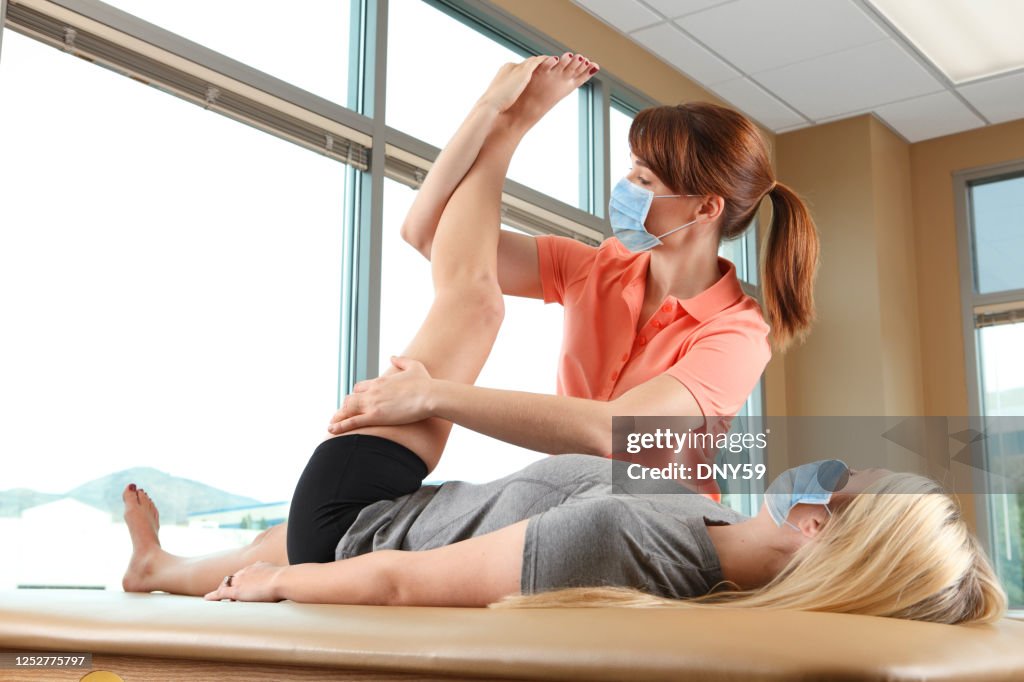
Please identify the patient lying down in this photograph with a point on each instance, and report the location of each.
(886, 544)
(362, 529)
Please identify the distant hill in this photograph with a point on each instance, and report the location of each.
(175, 497)
(14, 500)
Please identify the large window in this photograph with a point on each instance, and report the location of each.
(992, 217)
(307, 46)
(170, 310)
(619, 160)
(438, 67)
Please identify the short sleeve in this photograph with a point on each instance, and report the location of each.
(562, 262)
(722, 368)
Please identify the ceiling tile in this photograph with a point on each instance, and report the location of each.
(999, 99)
(671, 45)
(625, 15)
(755, 35)
(757, 104)
(852, 80)
(677, 8)
(930, 116)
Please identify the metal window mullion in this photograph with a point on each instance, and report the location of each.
(3, 20)
(965, 254)
(595, 147)
(585, 159)
(604, 89)
(113, 19)
(1008, 296)
(331, 130)
(983, 319)
(363, 262)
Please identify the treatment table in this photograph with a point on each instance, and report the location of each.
(159, 636)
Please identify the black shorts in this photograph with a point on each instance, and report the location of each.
(344, 475)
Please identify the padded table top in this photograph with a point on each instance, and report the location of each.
(593, 644)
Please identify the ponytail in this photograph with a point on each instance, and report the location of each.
(788, 267)
(704, 148)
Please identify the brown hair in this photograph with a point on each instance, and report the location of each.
(703, 148)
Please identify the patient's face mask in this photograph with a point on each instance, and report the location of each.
(627, 211)
(811, 483)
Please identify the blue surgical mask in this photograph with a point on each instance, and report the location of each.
(811, 483)
(627, 211)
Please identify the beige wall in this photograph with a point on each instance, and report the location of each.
(933, 163)
(862, 357)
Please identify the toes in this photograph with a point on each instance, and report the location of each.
(129, 494)
(587, 70)
(566, 59)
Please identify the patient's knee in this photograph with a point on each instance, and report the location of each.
(481, 301)
(272, 530)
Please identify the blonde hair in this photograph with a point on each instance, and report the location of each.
(899, 549)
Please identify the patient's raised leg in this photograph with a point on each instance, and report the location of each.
(453, 342)
(460, 328)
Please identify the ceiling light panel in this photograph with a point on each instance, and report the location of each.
(965, 39)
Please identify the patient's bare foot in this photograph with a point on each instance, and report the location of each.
(143, 520)
(550, 82)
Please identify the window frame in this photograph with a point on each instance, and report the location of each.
(972, 305)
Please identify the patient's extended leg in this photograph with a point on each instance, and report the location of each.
(151, 568)
(453, 341)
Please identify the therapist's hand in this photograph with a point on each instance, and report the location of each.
(399, 398)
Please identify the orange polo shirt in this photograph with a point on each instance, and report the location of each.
(715, 344)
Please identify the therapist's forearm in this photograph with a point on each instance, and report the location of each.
(545, 423)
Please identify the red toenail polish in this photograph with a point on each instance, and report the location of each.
(131, 486)
(593, 71)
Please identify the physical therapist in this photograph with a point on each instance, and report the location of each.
(655, 321)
